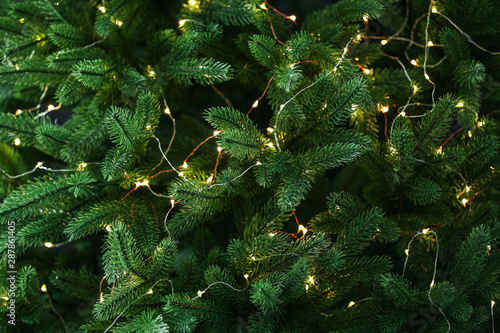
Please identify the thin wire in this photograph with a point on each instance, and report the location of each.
(426, 52)
(201, 292)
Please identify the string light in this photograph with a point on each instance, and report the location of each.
(119, 23)
(172, 202)
(21, 20)
(181, 174)
(258, 163)
(48, 244)
(407, 252)
(263, 6)
(184, 165)
(402, 114)
(216, 133)
(143, 183)
(43, 288)
(427, 76)
(192, 2)
(425, 231)
(311, 279)
(292, 17)
(83, 165)
(492, 303)
(167, 110)
(101, 297)
(272, 234)
(270, 129)
(270, 144)
(51, 107)
(181, 23)
(17, 141)
(430, 43)
(384, 41)
(460, 104)
(102, 9)
(467, 188)
(464, 201)
(209, 180)
(5, 298)
(255, 104)
(413, 62)
(434, 10)
(351, 303)
(415, 88)
(219, 149)
(150, 291)
(307, 287)
(385, 109)
(18, 112)
(367, 71)
(152, 73)
(108, 227)
(246, 276)
(365, 18)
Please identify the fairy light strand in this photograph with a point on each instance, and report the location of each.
(201, 292)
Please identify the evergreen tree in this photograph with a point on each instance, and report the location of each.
(222, 166)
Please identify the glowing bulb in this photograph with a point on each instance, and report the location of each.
(307, 287)
(464, 201)
(282, 106)
(415, 88)
(440, 150)
(467, 188)
(263, 6)
(21, 20)
(181, 23)
(301, 227)
(407, 252)
(351, 303)
(270, 129)
(488, 247)
(219, 149)
(434, 10)
(304, 231)
(311, 279)
(430, 43)
(101, 298)
(414, 62)
(102, 9)
(18, 112)
(424, 231)
(148, 126)
(270, 144)
(258, 163)
(43, 288)
(83, 165)
(271, 234)
(167, 110)
(255, 104)
(200, 293)
(152, 73)
(172, 202)
(119, 23)
(470, 134)
(216, 133)
(384, 41)
(150, 291)
(5, 298)
(181, 174)
(366, 71)
(460, 104)
(48, 244)
(292, 17)
(432, 283)
(144, 183)
(184, 165)
(426, 76)
(385, 109)
(480, 124)
(39, 164)
(108, 227)
(51, 107)
(366, 17)
(253, 258)
(403, 113)
(246, 276)
(492, 303)
(192, 2)
(209, 180)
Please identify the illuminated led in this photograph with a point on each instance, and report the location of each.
(258, 163)
(167, 110)
(351, 304)
(282, 106)
(200, 293)
(5, 298)
(480, 124)
(460, 104)
(440, 150)
(172, 202)
(148, 126)
(18, 112)
(21, 20)
(467, 188)
(101, 298)
(216, 133)
(253, 258)
(434, 10)
(407, 252)
(414, 62)
(83, 165)
(470, 134)
(150, 291)
(152, 73)
(464, 201)
(366, 71)
(219, 149)
(426, 76)
(359, 37)
(263, 6)
(488, 247)
(307, 287)
(43, 288)
(192, 2)
(255, 104)
(102, 9)
(209, 180)
(270, 144)
(108, 227)
(403, 114)
(304, 231)
(181, 174)
(119, 23)
(415, 88)
(385, 109)
(293, 17)
(39, 164)
(311, 279)
(432, 283)
(51, 107)
(424, 231)
(48, 244)
(384, 41)
(271, 234)
(366, 17)
(184, 165)
(492, 303)
(181, 23)
(246, 276)
(144, 183)
(270, 129)
(345, 50)
(430, 43)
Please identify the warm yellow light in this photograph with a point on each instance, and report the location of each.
(440, 150)
(102, 9)
(246, 276)
(181, 23)
(480, 124)
(430, 43)
(43, 288)
(492, 303)
(426, 76)
(219, 149)
(192, 2)
(181, 174)
(144, 183)
(414, 62)
(307, 287)
(415, 88)
(270, 144)
(385, 109)
(270, 129)
(403, 114)
(172, 202)
(148, 126)
(304, 231)
(311, 279)
(184, 165)
(5, 298)
(216, 133)
(293, 17)
(150, 291)
(460, 104)
(21, 20)
(367, 71)
(48, 244)
(152, 73)
(209, 180)
(39, 164)
(432, 283)
(167, 110)
(101, 298)
(255, 104)
(258, 163)
(351, 303)
(467, 188)
(384, 41)
(366, 17)
(253, 258)
(434, 10)
(18, 112)
(119, 23)
(51, 107)
(271, 234)
(424, 231)
(108, 227)
(263, 6)
(359, 37)
(407, 252)
(464, 201)
(470, 134)
(83, 165)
